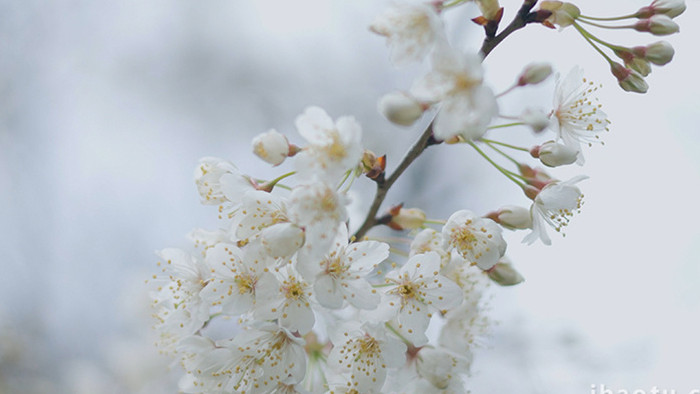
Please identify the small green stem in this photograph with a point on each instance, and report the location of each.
(435, 221)
(504, 154)
(505, 172)
(614, 18)
(506, 145)
(501, 126)
(345, 178)
(585, 34)
(352, 180)
(510, 89)
(604, 26)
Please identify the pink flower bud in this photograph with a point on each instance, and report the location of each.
(534, 73)
(659, 53)
(512, 217)
(670, 8)
(629, 80)
(658, 25)
(553, 154)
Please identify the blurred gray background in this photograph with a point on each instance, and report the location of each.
(106, 107)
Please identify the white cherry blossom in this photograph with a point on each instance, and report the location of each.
(180, 311)
(235, 275)
(411, 30)
(285, 296)
(318, 209)
(334, 147)
(219, 181)
(365, 352)
(456, 80)
(415, 292)
(262, 357)
(577, 117)
(554, 206)
(339, 277)
(476, 239)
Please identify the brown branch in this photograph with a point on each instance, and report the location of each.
(426, 139)
(522, 18)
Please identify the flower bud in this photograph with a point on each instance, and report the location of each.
(640, 65)
(504, 274)
(406, 219)
(400, 108)
(629, 80)
(536, 119)
(553, 154)
(490, 9)
(658, 25)
(272, 147)
(659, 53)
(372, 166)
(512, 217)
(670, 8)
(534, 73)
(563, 14)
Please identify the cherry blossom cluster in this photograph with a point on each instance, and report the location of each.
(289, 296)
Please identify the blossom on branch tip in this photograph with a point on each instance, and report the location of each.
(467, 105)
(554, 206)
(411, 30)
(577, 117)
(334, 147)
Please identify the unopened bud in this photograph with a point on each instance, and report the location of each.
(659, 53)
(536, 119)
(553, 154)
(406, 218)
(272, 147)
(629, 80)
(640, 65)
(372, 165)
(512, 217)
(534, 73)
(400, 108)
(670, 8)
(504, 274)
(490, 9)
(658, 25)
(563, 14)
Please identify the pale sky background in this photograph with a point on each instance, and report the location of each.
(106, 107)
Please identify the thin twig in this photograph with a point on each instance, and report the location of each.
(520, 20)
(425, 139)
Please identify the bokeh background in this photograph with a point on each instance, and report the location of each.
(106, 107)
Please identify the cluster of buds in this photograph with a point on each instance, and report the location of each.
(657, 19)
